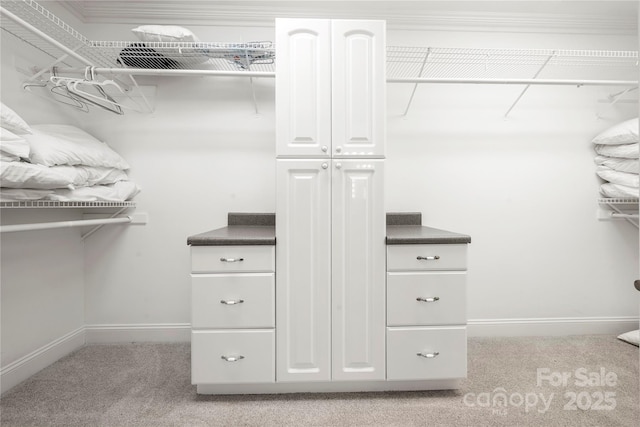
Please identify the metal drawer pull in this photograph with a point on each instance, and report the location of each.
(428, 355)
(429, 299)
(428, 258)
(232, 358)
(231, 301)
(231, 259)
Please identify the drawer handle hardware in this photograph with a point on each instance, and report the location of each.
(231, 301)
(428, 355)
(429, 299)
(232, 358)
(427, 258)
(223, 259)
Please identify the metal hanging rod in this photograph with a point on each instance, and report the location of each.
(172, 72)
(64, 224)
(557, 82)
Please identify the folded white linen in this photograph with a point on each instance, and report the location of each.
(618, 191)
(6, 157)
(27, 175)
(22, 194)
(622, 165)
(626, 151)
(10, 120)
(118, 192)
(13, 144)
(617, 177)
(621, 133)
(102, 176)
(67, 145)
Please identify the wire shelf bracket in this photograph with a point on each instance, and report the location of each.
(619, 208)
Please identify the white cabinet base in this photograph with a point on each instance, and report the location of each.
(328, 387)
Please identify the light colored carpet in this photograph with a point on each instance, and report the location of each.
(149, 385)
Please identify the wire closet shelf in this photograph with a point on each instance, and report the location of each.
(31, 22)
(68, 47)
(469, 65)
(61, 204)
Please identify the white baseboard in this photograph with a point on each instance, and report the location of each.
(558, 326)
(21, 369)
(126, 333)
(16, 372)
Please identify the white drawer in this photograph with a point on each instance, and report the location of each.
(426, 353)
(426, 257)
(234, 300)
(223, 259)
(224, 357)
(426, 298)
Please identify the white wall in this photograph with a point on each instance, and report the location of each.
(41, 273)
(523, 187)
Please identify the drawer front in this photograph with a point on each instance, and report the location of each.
(429, 298)
(232, 357)
(426, 353)
(234, 300)
(426, 257)
(224, 259)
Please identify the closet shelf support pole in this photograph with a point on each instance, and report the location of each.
(44, 36)
(535, 76)
(63, 224)
(415, 86)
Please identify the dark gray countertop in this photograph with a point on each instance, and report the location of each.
(418, 234)
(236, 235)
(259, 229)
(243, 229)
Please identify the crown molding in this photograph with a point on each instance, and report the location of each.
(603, 17)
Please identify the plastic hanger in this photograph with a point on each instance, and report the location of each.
(59, 95)
(93, 90)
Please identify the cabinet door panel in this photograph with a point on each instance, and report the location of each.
(303, 265)
(358, 279)
(358, 86)
(303, 87)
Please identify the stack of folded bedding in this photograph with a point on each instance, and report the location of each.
(617, 159)
(58, 162)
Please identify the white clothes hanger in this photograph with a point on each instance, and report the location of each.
(94, 90)
(54, 93)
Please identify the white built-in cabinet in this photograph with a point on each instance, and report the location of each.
(330, 220)
(342, 322)
(330, 88)
(330, 235)
(232, 314)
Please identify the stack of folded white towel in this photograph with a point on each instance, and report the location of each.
(617, 159)
(58, 162)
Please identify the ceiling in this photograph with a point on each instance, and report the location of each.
(603, 16)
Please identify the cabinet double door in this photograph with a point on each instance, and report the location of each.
(330, 270)
(330, 88)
